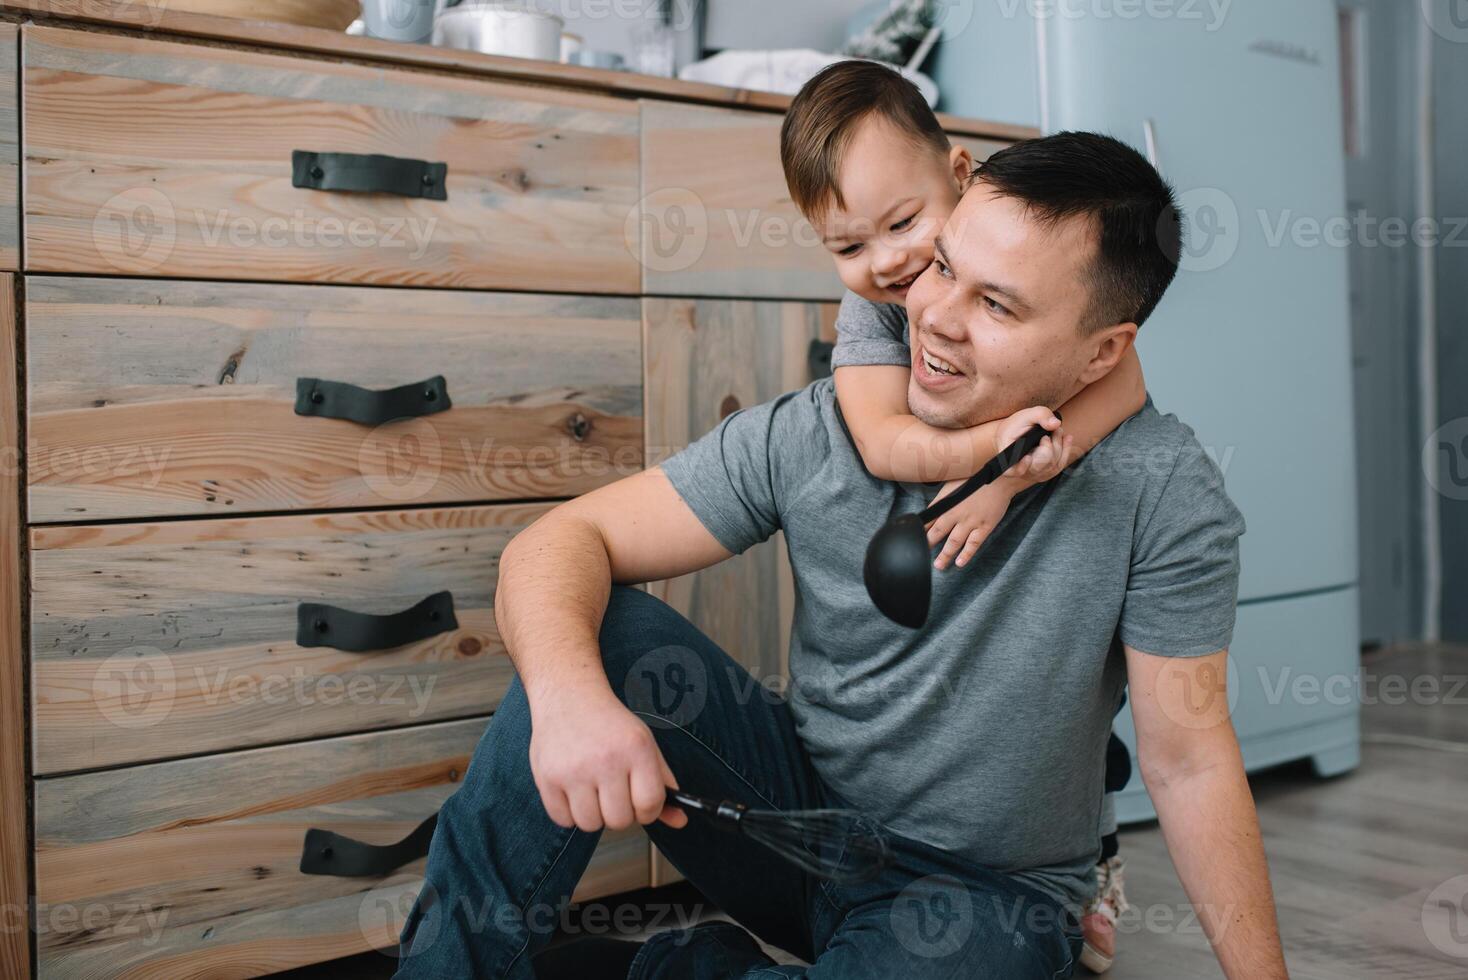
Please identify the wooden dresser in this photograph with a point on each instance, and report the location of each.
(266, 438)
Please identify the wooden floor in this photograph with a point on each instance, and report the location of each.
(1353, 859)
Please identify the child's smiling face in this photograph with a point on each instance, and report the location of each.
(896, 193)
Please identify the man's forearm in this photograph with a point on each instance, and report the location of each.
(554, 582)
(1212, 832)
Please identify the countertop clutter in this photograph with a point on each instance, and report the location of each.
(166, 20)
(283, 397)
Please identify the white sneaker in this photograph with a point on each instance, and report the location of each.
(1098, 922)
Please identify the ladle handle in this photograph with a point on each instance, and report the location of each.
(991, 471)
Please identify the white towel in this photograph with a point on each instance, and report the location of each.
(780, 71)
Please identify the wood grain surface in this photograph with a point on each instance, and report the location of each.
(717, 216)
(9, 147)
(151, 397)
(150, 641)
(14, 782)
(190, 868)
(161, 19)
(146, 157)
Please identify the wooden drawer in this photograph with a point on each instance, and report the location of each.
(146, 157)
(157, 640)
(157, 397)
(716, 215)
(717, 219)
(191, 867)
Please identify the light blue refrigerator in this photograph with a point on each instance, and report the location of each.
(1251, 345)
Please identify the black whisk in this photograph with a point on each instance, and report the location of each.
(839, 845)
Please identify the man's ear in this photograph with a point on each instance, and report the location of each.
(1111, 345)
(961, 164)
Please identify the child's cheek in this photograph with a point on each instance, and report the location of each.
(859, 281)
(921, 250)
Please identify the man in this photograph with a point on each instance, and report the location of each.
(978, 741)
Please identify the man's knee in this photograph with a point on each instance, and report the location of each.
(940, 922)
(656, 661)
(635, 620)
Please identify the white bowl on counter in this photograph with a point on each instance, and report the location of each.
(500, 28)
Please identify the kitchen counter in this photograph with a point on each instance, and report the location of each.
(153, 17)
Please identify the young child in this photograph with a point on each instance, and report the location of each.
(869, 166)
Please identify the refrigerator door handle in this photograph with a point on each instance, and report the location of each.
(1149, 134)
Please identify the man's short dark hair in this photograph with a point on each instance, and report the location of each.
(1131, 205)
(825, 114)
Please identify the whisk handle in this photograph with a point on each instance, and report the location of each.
(725, 812)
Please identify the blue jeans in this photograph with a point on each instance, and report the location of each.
(499, 870)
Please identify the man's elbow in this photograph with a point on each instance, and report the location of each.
(533, 537)
(1187, 756)
(507, 575)
(520, 540)
(1159, 776)
(565, 519)
(546, 537)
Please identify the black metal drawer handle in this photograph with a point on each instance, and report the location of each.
(320, 625)
(818, 358)
(327, 853)
(369, 172)
(340, 400)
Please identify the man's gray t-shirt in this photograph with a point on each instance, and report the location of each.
(983, 733)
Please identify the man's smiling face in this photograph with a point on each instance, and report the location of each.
(999, 313)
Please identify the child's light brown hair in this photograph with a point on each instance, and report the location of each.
(825, 114)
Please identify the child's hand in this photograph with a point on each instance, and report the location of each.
(968, 525)
(1046, 461)
(1021, 422)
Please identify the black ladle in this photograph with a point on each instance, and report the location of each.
(899, 564)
